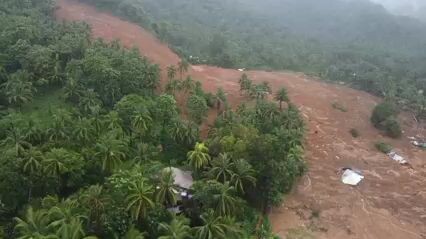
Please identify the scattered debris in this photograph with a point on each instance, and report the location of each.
(396, 157)
(419, 144)
(242, 69)
(351, 177)
(338, 106)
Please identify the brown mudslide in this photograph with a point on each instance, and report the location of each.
(390, 203)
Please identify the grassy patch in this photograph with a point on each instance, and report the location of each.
(41, 108)
(383, 147)
(340, 107)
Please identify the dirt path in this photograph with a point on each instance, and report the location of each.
(389, 203)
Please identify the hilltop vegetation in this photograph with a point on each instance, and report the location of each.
(356, 42)
(87, 139)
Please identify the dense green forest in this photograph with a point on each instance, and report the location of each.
(89, 145)
(355, 42)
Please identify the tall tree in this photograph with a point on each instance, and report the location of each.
(95, 202)
(171, 72)
(197, 108)
(177, 229)
(166, 189)
(245, 83)
(173, 86)
(225, 200)
(222, 168)
(18, 89)
(139, 201)
(32, 159)
(17, 137)
(184, 132)
(111, 151)
(54, 163)
(66, 221)
(133, 233)
(188, 85)
(243, 175)
(217, 227)
(141, 121)
(221, 99)
(183, 67)
(199, 157)
(83, 130)
(282, 96)
(34, 225)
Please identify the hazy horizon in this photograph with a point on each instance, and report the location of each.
(413, 8)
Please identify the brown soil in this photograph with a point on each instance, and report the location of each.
(389, 203)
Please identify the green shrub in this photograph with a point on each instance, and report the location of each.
(392, 127)
(197, 108)
(382, 112)
(315, 213)
(354, 133)
(383, 147)
(210, 99)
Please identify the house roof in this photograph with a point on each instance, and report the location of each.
(182, 178)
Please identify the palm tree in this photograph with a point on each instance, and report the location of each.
(225, 200)
(83, 130)
(166, 189)
(217, 227)
(282, 96)
(171, 72)
(184, 132)
(89, 101)
(65, 221)
(183, 67)
(243, 175)
(221, 169)
(265, 85)
(188, 84)
(111, 152)
(54, 162)
(113, 121)
(32, 159)
(34, 133)
(221, 98)
(173, 86)
(34, 225)
(18, 138)
(72, 90)
(258, 92)
(139, 200)
(133, 233)
(59, 130)
(145, 152)
(199, 157)
(141, 121)
(177, 229)
(93, 199)
(18, 89)
(245, 83)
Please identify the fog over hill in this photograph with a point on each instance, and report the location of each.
(414, 8)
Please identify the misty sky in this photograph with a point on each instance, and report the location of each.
(416, 8)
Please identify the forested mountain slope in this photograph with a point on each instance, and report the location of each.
(347, 41)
